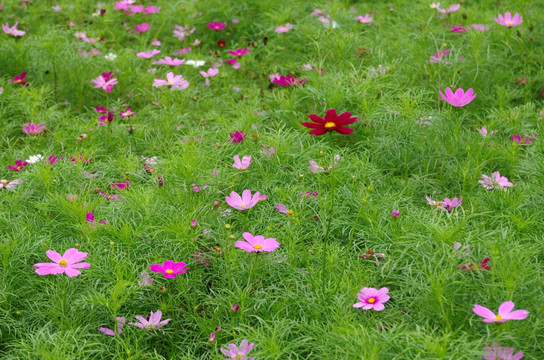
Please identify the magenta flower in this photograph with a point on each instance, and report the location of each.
(105, 81)
(525, 140)
(83, 37)
(169, 61)
(450, 204)
(19, 165)
(458, 29)
(316, 12)
(505, 313)
(238, 352)
(495, 181)
(153, 322)
(439, 56)
(497, 352)
(237, 136)
(148, 54)
(482, 266)
(285, 80)
(208, 74)
(152, 9)
(53, 159)
(19, 79)
(107, 116)
(451, 9)
(484, 133)
(364, 19)
(68, 263)
(175, 81)
(395, 213)
(243, 164)
(509, 21)
(283, 28)
(479, 27)
(170, 269)
(245, 202)
(283, 209)
(91, 220)
(12, 30)
(372, 298)
(143, 27)
(217, 26)
(460, 98)
(117, 331)
(9, 184)
(123, 185)
(257, 243)
(239, 52)
(127, 113)
(31, 128)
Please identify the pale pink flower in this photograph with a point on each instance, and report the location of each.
(244, 202)
(152, 9)
(497, 352)
(479, 27)
(12, 30)
(210, 73)
(143, 27)
(439, 56)
(484, 133)
(509, 21)
(56, 8)
(495, 181)
(451, 9)
(145, 280)
(118, 330)
(283, 209)
(316, 12)
(9, 184)
(317, 169)
(105, 81)
(283, 28)
(68, 263)
(238, 352)
(156, 43)
(169, 61)
(153, 322)
(243, 164)
(460, 98)
(175, 81)
(364, 19)
(257, 243)
(450, 204)
(148, 54)
(372, 298)
(504, 314)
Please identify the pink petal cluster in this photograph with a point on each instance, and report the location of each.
(19, 165)
(91, 220)
(451, 9)
(143, 27)
(237, 136)
(170, 269)
(10, 185)
(241, 164)
(169, 61)
(107, 116)
(148, 54)
(12, 30)
(67, 263)
(458, 99)
(153, 322)
(257, 243)
(177, 82)
(504, 314)
(217, 26)
(238, 352)
(365, 19)
(105, 81)
(439, 56)
(83, 36)
(484, 133)
(208, 74)
(372, 298)
(283, 28)
(497, 352)
(239, 52)
(523, 140)
(244, 202)
(285, 80)
(507, 20)
(495, 181)
(120, 323)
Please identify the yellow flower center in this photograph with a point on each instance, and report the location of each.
(509, 23)
(63, 262)
(35, 131)
(290, 212)
(150, 326)
(238, 357)
(243, 206)
(169, 271)
(258, 247)
(329, 125)
(169, 82)
(5, 182)
(371, 300)
(498, 317)
(18, 168)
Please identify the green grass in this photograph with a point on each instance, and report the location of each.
(295, 303)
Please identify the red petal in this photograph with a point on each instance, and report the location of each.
(343, 130)
(345, 119)
(312, 125)
(316, 119)
(318, 132)
(331, 116)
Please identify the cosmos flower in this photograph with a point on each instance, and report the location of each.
(208, 74)
(332, 121)
(170, 269)
(451, 9)
(19, 165)
(19, 79)
(364, 19)
(67, 263)
(175, 81)
(504, 314)
(148, 54)
(237, 136)
(12, 30)
(257, 243)
(495, 181)
(217, 26)
(372, 298)
(285, 80)
(458, 99)
(105, 81)
(143, 27)
(497, 352)
(244, 202)
(35, 129)
(241, 164)
(283, 28)
(283, 209)
(522, 140)
(238, 352)
(89, 217)
(153, 322)
(125, 114)
(120, 323)
(458, 29)
(484, 133)
(10, 185)
(107, 116)
(509, 21)
(439, 56)
(239, 52)
(122, 185)
(169, 61)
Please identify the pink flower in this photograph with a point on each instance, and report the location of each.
(505, 313)
(283, 209)
(497, 352)
(153, 322)
(239, 52)
(210, 73)
(19, 79)
(364, 19)
(53, 159)
(9, 184)
(183, 50)
(285, 80)
(237, 136)
(169, 61)
(105, 81)
(395, 213)
(241, 165)
(460, 98)
(107, 116)
(450, 204)
(19, 165)
(495, 181)
(175, 81)
(152, 9)
(267, 151)
(451, 9)
(123, 185)
(127, 113)
(35, 129)
(68, 263)
(143, 27)
(482, 266)
(12, 30)
(217, 26)
(458, 29)
(439, 56)
(123, 4)
(148, 54)
(509, 21)
(479, 27)
(238, 353)
(170, 269)
(484, 133)
(372, 298)
(371, 253)
(83, 37)
(145, 280)
(156, 43)
(91, 221)
(181, 32)
(257, 243)
(245, 202)
(56, 8)
(316, 12)
(525, 140)
(283, 28)
(92, 52)
(317, 169)
(118, 330)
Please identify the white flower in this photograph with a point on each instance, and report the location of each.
(34, 159)
(435, 5)
(110, 56)
(195, 63)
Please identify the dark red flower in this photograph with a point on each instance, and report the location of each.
(332, 121)
(221, 43)
(19, 79)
